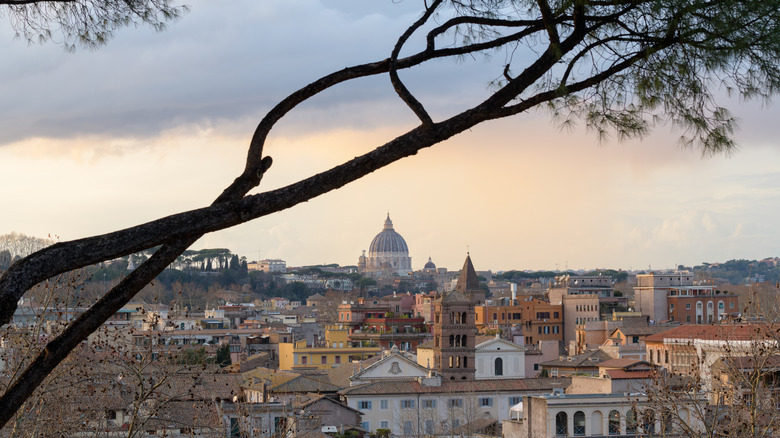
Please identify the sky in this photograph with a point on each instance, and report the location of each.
(155, 123)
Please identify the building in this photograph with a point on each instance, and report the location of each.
(581, 364)
(388, 254)
(692, 350)
(495, 358)
(454, 330)
(385, 321)
(583, 298)
(536, 320)
(597, 415)
(268, 265)
(676, 297)
(436, 406)
(298, 356)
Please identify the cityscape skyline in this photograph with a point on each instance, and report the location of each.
(157, 123)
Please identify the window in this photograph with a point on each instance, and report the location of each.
(455, 423)
(561, 423)
(688, 318)
(455, 402)
(485, 402)
(324, 359)
(536, 367)
(338, 359)
(555, 314)
(429, 404)
(383, 404)
(407, 404)
(365, 425)
(688, 306)
(579, 423)
(731, 305)
(514, 400)
(547, 330)
(540, 329)
(303, 360)
(614, 423)
(556, 329)
(384, 425)
(429, 427)
(499, 367)
(364, 405)
(407, 427)
(631, 421)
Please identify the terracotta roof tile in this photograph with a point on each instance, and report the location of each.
(734, 332)
(458, 386)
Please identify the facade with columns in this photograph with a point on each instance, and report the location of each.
(598, 415)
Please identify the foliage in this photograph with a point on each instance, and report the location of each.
(740, 271)
(223, 356)
(90, 23)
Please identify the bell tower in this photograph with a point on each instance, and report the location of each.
(454, 328)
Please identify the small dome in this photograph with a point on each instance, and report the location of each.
(388, 240)
(430, 265)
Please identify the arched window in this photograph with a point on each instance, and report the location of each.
(457, 340)
(648, 422)
(465, 361)
(596, 423)
(463, 318)
(631, 421)
(499, 367)
(579, 423)
(463, 341)
(666, 422)
(457, 362)
(561, 423)
(451, 361)
(614, 422)
(452, 340)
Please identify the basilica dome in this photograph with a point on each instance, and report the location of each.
(388, 240)
(388, 254)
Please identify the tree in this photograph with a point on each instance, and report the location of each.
(90, 23)
(223, 356)
(620, 65)
(718, 386)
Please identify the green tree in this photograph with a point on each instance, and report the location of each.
(223, 356)
(619, 65)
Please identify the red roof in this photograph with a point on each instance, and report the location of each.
(718, 332)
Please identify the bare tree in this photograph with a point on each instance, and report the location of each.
(620, 65)
(729, 386)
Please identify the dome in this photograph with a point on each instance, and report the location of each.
(430, 265)
(388, 241)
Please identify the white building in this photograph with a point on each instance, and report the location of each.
(590, 415)
(432, 406)
(495, 358)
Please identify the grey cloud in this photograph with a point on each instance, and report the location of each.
(218, 62)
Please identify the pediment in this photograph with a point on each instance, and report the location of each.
(393, 366)
(498, 344)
